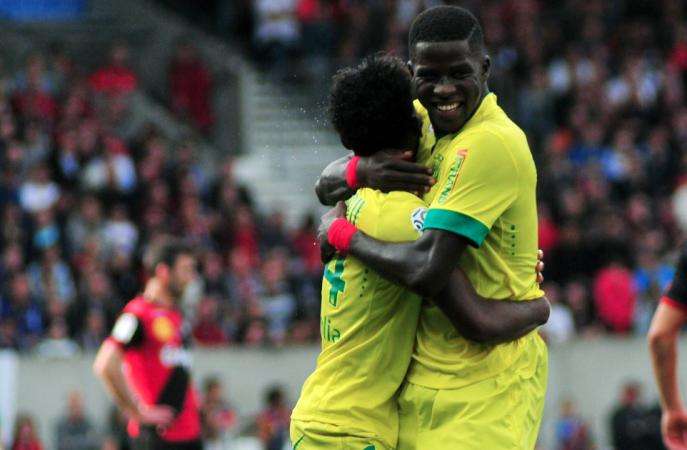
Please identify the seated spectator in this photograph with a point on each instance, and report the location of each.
(277, 303)
(84, 223)
(190, 86)
(21, 308)
(207, 330)
(74, 430)
(615, 297)
(51, 276)
(572, 433)
(25, 434)
(116, 78)
(95, 331)
(633, 425)
(218, 419)
(39, 192)
(121, 234)
(112, 171)
(57, 344)
(273, 421)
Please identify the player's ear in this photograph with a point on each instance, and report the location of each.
(409, 64)
(486, 66)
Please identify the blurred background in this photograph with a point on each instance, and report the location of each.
(123, 121)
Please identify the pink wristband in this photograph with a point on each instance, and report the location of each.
(340, 234)
(352, 172)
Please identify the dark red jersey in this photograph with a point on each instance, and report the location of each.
(157, 364)
(676, 295)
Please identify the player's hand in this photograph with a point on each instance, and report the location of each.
(380, 171)
(159, 415)
(674, 429)
(540, 266)
(327, 251)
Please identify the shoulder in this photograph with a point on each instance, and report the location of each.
(138, 307)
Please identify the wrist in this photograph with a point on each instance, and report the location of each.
(352, 175)
(340, 234)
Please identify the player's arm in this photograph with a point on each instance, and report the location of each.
(488, 321)
(108, 366)
(337, 183)
(670, 317)
(662, 337)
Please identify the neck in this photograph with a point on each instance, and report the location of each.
(157, 293)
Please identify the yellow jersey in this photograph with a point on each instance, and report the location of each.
(368, 328)
(485, 192)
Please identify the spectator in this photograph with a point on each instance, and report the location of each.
(51, 276)
(25, 435)
(208, 331)
(633, 426)
(116, 78)
(23, 310)
(39, 192)
(276, 32)
(572, 433)
(190, 86)
(218, 419)
(273, 421)
(57, 344)
(74, 430)
(615, 297)
(277, 304)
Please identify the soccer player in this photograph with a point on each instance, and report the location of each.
(669, 319)
(482, 217)
(368, 324)
(146, 354)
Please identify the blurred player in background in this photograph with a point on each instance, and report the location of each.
(669, 319)
(482, 217)
(367, 322)
(145, 365)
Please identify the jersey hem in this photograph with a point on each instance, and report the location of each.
(463, 225)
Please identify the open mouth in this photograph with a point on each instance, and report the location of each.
(449, 107)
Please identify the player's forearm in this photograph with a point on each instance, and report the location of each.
(663, 349)
(423, 266)
(108, 367)
(488, 321)
(331, 187)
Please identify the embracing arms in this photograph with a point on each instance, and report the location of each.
(378, 171)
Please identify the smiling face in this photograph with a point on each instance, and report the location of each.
(450, 80)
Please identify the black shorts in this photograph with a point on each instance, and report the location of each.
(148, 439)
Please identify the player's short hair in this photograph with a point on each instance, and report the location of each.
(446, 23)
(165, 252)
(371, 105)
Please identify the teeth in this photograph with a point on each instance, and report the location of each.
(449, 107)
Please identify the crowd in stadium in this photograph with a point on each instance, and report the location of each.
(599, 89)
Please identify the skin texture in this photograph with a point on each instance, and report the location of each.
(662, 338)
(165, 288)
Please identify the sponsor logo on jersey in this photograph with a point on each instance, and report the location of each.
(175, 356)
(163, 329)
(461, 154)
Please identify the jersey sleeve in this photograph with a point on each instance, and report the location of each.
(393, 217)
(127, 331)
(481, 181)
(676, 295)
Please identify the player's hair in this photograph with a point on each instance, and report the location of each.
(371, 105)
(446, 23)
(165, 252)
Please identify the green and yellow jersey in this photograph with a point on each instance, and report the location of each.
(368, 328)
(485, 192)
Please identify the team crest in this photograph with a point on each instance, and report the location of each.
(417, 218)
(163, 329)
